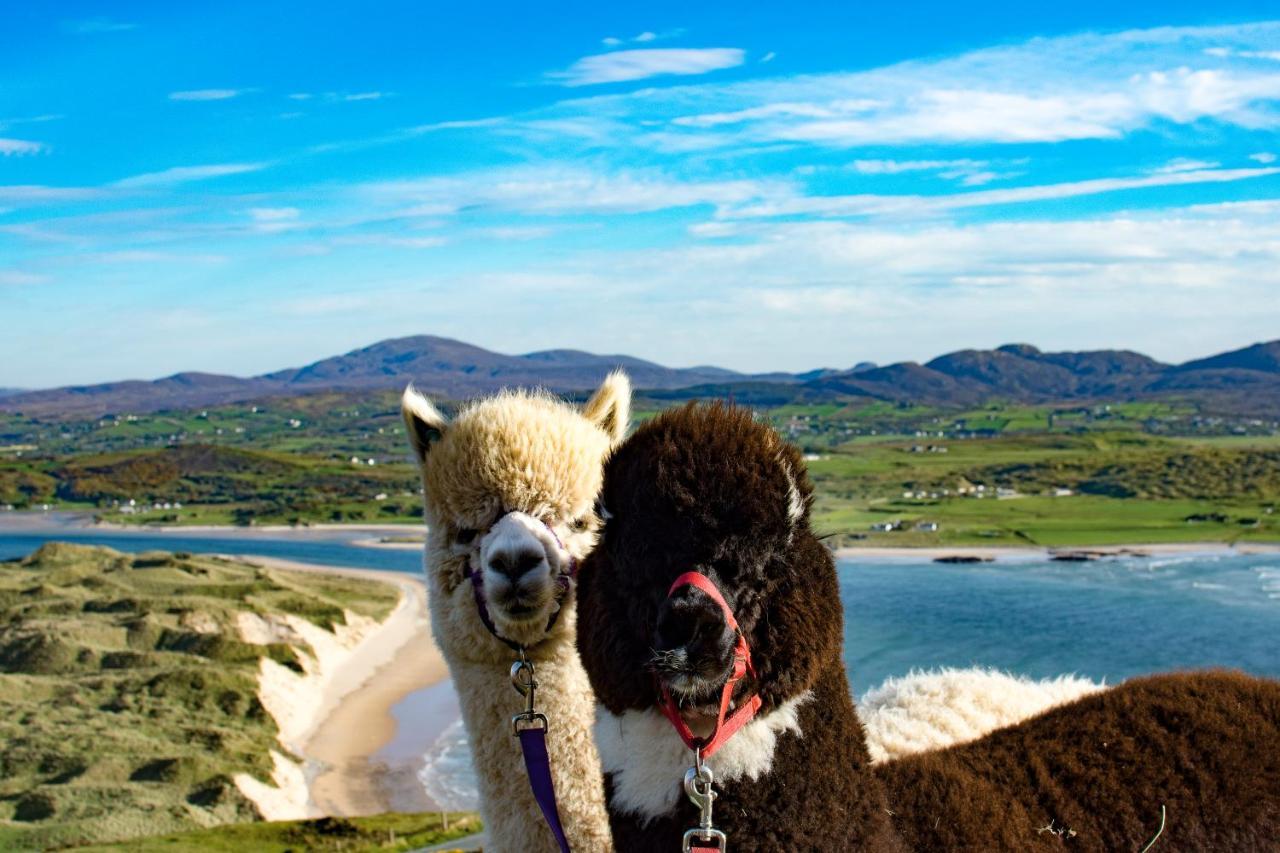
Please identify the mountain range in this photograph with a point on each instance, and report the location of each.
(1245, 380)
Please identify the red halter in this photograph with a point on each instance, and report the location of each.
(725, 728)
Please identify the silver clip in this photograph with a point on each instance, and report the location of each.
(526, 684)
(698, 786)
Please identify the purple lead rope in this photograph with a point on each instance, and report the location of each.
(533, 743)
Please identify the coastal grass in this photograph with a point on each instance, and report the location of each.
(128, 699)
(387, 832)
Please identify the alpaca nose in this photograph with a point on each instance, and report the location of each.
(516, 564)
(691, 621)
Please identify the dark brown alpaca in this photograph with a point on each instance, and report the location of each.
(706, 488)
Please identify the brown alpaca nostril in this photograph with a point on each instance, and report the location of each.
(692, 623)
(515, 564)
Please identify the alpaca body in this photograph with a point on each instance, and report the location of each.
(935, 709)
(1092, 775)
(706, 489)
(510, 486)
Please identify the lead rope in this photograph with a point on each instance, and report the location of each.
(531, 727)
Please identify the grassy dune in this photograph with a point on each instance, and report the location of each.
(128, 699)
(387, 832)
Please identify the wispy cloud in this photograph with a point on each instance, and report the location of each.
(917, 205)
(24, 194)
(1263, 157)
(645, 37)
(272, 220)
(626, 65)
(207, 94)
(1089, 86)
(90, 26)
(184, 174)
(20, 147)
(16, 278)
(340, 97)
(563, 191)
(1184, 164)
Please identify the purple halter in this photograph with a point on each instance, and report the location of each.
(476, 576)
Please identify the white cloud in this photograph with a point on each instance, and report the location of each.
(1263, 157)
(301, 96)
(1184, 164)
(626, 65)
(645, 37)
(17, 278)
(206, 94)
(24, 194)
(366, 96)
(1087, 86)
(99, 25)
(557, 191)
(273, 220)
(920, 205)
(768, 57)
(20, 147)
(183, 174)
(897, 167)
(1173, 283)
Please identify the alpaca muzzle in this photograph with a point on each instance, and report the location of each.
(521, 576)
(693, 648)
(723, 723)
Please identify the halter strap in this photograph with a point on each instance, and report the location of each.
(476, 576)
(726, 724)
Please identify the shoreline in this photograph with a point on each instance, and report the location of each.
(1030, 552)
(354, 719)
(375, 535)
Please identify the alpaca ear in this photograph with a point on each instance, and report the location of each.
(425, 423)
(610, 407)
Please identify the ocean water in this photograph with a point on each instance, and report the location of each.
(1107, 620)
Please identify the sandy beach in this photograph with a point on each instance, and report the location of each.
(355, 720)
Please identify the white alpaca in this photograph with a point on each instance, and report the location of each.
(940, 708)
(510, 488)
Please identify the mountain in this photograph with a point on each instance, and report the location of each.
(1246, 380)
(1264, 358)
(441, 366)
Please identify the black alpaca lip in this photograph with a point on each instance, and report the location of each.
(690, 681)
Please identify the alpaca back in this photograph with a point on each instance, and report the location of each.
(1092, 775)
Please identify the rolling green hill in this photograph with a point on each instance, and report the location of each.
(127, 697)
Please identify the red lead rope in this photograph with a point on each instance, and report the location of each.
(725, 727)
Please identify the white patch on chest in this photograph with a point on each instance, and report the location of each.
(647, 758)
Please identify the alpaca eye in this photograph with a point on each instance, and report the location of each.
(467, 535)
(580, 524)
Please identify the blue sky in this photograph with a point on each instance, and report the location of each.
(239, 187)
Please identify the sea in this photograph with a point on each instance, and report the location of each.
(1108, 620)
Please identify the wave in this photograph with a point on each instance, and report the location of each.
(447, 775)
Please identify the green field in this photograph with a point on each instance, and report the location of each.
(387, 832)
(1050, 489)
(128, 699)
(1136, 471)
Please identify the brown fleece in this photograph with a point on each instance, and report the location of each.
(707, 488)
